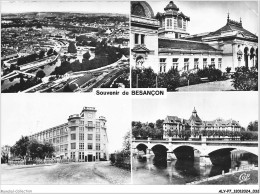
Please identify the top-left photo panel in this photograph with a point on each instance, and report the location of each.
(64, 46)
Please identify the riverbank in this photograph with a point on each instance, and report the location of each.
(113, 174)
(242, 177)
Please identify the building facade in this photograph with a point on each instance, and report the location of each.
(195, 124)
(144, 36)
(83, 137)
(231, 46)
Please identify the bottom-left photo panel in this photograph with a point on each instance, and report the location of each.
(65, 139)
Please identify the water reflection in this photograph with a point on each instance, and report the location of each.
(149, 171)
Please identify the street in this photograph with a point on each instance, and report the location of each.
(72, 173)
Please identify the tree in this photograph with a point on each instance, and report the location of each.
(72, 48)
(86, 56)
(20, 147)
(40, 74)
(127, 143)
(159, 123)
(41, 54)
(245, 79)
(50, 51)
(169, 80)
(47, 150)
(253, 126)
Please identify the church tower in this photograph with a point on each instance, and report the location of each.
(173, 23)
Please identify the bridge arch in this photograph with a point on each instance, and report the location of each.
(141, 147)
(186, 152)
(160, 154)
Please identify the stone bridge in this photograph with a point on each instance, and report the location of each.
(204, 149)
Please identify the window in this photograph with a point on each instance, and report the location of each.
(90, 137)
(162, 65)
(82, 122)
(90, 129)
(168, 23)
(62, 148)
(54, 133)
(73, 136)
(179, 22)
(98, 130)
(136, 38)
(66, 147)
(81, 129)
(81, 136)
(175, 63)
(81, 155)
(90, 147)
(72, 129)
(72, 155)
(58, 132)
(90, 124)
(81, 146)
(57, 140)
(186, 64)
(97, 146)
(142, 38)
(196, 63)
(219, 63)
(73, 146)
(213, 62)
(98, 124)
(54, 140)
(97, 137)
(50, 140)
(204, 63)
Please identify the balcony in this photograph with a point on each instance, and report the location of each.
(89, 109)
(90, 125)
(74, 116)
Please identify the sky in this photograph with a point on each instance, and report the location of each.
(240, 106)
(205, 16)
(30, 113)
(65, 6)
(208, 16)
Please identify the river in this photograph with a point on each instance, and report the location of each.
(180, 172)
(47, 69)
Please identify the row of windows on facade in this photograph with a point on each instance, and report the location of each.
(73, 137)
(89, 123)
(202, 128)
(64, 148)
(63, 132)
(175, 63)
(180, 23)
(82, 156)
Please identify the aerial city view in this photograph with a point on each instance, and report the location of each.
(61, 51)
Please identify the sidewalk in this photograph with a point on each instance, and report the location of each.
(225, 85)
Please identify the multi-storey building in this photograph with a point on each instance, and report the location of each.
(83, 137)
(195, 124)
(167, 44)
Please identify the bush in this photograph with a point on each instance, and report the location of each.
(211, 73)
(245, 79)
(228, 69)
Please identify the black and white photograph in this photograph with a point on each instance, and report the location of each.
(196, 139)
(194, 45)
(64, 46)
(74, 141)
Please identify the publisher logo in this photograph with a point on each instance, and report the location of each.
(244, 177)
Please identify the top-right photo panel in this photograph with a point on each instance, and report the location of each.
(194, 45)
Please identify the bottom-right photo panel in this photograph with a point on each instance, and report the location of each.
(196, 138)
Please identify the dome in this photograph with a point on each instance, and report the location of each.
(141, 8)
(172, 6)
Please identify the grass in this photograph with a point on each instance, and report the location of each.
(233, 179)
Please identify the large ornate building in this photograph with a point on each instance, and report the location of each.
(83, 137)
(195, 124)
(163, 42)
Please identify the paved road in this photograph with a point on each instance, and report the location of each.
(73, 173)
(210, 86)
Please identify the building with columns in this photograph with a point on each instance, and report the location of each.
(167, 33)
(239, 46)
(83, 137)
(196, 124)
